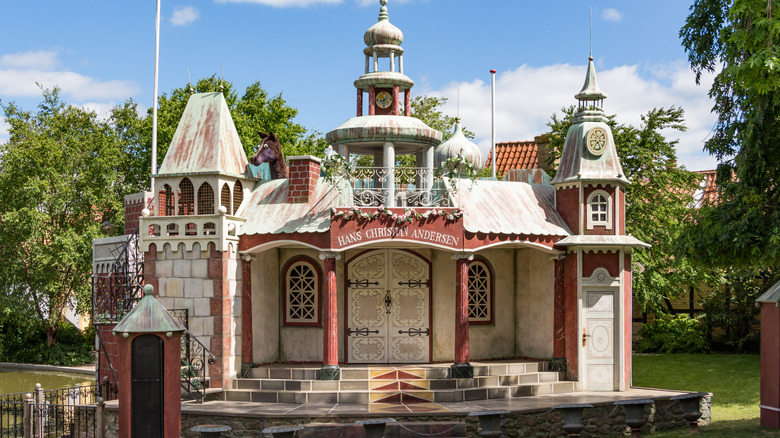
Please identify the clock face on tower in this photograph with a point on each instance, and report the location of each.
(597, 141)
(384, 99)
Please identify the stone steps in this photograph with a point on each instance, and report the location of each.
(405, 384)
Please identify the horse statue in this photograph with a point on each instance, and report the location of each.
(270, 151)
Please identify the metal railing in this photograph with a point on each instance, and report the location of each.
(194, 359)
(115, 293)
(66, 412)
(398, 187)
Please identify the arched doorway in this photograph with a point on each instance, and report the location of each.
(388, 308)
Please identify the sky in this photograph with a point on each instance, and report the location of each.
(101, 53)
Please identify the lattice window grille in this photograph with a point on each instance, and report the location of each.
(224, 197)
(166, 202)
(302, 297)
(186, 198)
(238, 196)
(205, 199)
(479, 292)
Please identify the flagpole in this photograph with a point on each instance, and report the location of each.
(154, 108)
(493, 124)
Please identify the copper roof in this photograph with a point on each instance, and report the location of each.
(148, 316)
(267, 210)
(514, 155)
(503, 207)
(205, 140)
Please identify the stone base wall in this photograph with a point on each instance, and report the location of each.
(207, 283)
(601, 420)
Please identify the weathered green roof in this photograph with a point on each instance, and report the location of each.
(148, 316)
(206, 140)
(772, 295)
(590, 90)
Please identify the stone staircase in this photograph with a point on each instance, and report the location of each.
(396, 384)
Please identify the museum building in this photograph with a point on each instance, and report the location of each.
(338, 264)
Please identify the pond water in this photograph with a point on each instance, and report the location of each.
(13, 381)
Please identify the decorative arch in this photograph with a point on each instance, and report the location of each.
(166, 203)
(238, 196)
(186, 198)
(205, 199)
(599, 210)
(302, 292)
(224, 196)
(480, 286)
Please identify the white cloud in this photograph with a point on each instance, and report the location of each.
(184, 15)
(526, 97)
(611, 14)
(283, 3)
(40, 59)
(4, 127)
(19, 73)
(102, 109)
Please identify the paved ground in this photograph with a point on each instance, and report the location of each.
(517, 404)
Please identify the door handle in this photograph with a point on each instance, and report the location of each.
(585, 337)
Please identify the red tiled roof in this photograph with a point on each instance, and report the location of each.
(514, 155)
(708, 190)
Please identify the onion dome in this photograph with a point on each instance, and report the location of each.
(383, 33)
(458, 144)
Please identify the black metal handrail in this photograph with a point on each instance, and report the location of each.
(194, 357)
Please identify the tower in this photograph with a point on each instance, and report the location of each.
(593, 284)
(386, 131)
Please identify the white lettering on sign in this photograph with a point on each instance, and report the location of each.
(393, 232)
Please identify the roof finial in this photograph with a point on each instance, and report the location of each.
(383, 10)
(590, 57)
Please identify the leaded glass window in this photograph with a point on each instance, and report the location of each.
(480, 292)
(599, 210)
(302, 294)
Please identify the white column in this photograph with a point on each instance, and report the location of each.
(392, 62)
(367, 61)
(344, 151)
(401, 64)
(376, 62)
(388, 162)
(427, 164)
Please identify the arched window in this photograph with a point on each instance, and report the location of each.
(191, 229)
(224, 197)
(209, 229)
(165, 202)
(599, 210)
(186, 198)
(301, 293)
(205, 199)
(238, 196)
(480, 292)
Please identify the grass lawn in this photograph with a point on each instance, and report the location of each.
(733, 379)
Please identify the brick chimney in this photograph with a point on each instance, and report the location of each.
(304, 171)
(542, 151)
(134, 203)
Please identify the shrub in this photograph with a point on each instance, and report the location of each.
(682, 334)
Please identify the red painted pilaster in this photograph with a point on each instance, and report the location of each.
(359, 102)
(396, 101)
(627, 319)
(371, 100)
(462, 308)
(559, 313)
(572, 334)
(246, 311)
(330, 353)
(408, 103)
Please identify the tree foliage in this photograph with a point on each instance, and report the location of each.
(58, 183)
(658, 199)
(254, 111)
(735, 38)
(428, 109)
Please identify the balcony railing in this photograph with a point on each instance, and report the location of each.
(397, 187)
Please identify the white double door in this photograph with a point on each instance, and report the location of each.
(388, 308)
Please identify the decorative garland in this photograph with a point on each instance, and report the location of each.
(409, 215)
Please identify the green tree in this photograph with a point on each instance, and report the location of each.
(659, 200)
(254, 111)
(58, 184)
(428, 109)
(735, 38)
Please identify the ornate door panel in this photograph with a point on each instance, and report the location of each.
(388, 308)
(598, 339)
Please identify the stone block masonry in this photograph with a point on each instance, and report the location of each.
(207, 283)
